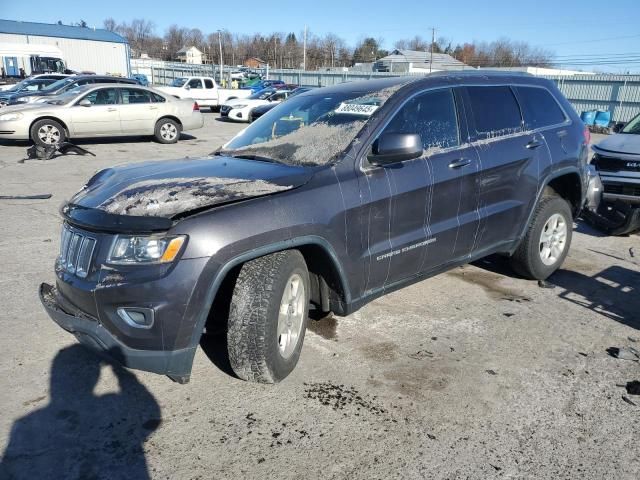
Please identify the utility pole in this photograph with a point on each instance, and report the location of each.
(304, 49)
(220, 45)
(433, 40)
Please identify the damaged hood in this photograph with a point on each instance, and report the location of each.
(627, 143)
(170, 188)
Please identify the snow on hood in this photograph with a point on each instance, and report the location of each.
(627, 143)
(168, 188)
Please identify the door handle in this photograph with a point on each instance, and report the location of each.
(111, 109)
(533, 144)
(153, 108)
(461, 162)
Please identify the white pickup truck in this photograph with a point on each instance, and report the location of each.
(203, 90)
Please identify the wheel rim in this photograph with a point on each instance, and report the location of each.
(49, 134)
(553, 239)
(291, 315)
(168, 131)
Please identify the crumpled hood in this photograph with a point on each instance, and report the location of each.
(627, 143)
(170, 188)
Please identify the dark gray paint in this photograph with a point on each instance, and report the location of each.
(355, 212)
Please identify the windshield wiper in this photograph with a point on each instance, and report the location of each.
(246, 156)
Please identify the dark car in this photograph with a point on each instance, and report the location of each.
(29, 86)
(333, 198)
(617, 159)
(262, 109)
(64, 85)
(262, 84)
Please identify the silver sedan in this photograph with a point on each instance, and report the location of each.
(102, 110)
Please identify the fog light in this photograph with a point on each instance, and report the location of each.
(136, 317)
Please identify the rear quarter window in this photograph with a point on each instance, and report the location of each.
(539, 107)
(495, 110)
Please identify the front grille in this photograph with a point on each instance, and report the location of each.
(611, 164)
(622, 189)
(76, 251)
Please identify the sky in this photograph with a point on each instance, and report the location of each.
(577, 32)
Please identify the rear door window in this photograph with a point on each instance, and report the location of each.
(539, 108)
(134, 95)
(495, 110)
(208, 83)
(432, 115)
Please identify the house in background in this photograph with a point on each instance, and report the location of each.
(190, 55)
(408, 61)
(254, 62)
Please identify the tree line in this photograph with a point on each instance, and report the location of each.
(286, 50)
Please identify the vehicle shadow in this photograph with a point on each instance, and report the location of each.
(99, 141)
(81, 435)
(613, 292)
(581, 226)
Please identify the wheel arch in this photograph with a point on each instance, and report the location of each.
(170, 117)
(327, 277)
(51, 117)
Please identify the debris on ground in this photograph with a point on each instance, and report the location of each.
(545, 284)
(40, 196)
(633, 387)
(48, 152)
(491, 372)
(632, 252)
(628, 353)
(630, 402)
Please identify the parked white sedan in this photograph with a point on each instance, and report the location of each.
(239, 109)
(101, 110)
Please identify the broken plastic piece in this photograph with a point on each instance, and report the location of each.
(628, 353)
(41, 196)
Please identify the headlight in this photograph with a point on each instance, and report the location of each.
(238, 106)
(25, 99)
(127, 250)
(9, 117)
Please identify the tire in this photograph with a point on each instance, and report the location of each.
(257, 351)
(536, 258)
(47, 132)
(167, 131)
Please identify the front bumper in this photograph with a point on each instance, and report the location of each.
(14, 130)
(92, 333)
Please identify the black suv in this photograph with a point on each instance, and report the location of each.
(64, 85)
(333, 198)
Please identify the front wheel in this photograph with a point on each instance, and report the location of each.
(47, 132)
(268, 317)
(546, 243)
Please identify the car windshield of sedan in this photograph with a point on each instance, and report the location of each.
(633, 126)
(178, 82)
(57, 85)
(261, 94)
(308, 129)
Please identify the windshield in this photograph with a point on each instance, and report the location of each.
(308, 129)
(262, 94)
(178, 82)
(18, 86)
(58, 85)
(66, 97)
(633, 126)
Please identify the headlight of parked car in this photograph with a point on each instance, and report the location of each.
(238, 106)
(9, 117)
(127, 250)
(24, 99)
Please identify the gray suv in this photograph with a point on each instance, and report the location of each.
(331, 199)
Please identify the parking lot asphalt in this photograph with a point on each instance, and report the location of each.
(474, 373)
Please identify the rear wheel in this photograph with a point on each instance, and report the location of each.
(546, 243)
(167, 131)
(268, 317)
(47, 132)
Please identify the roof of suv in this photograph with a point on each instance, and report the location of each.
(436, 78)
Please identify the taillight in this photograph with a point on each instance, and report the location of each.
(196, 107)
(587, 135)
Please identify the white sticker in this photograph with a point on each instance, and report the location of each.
(357, 109)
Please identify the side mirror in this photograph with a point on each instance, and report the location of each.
(187, 87)
(395, 147)
(84, 102)
(617, 128)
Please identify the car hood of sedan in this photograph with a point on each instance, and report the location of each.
(627, 143)
(168, 189)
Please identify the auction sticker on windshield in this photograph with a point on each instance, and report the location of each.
(356, 109)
